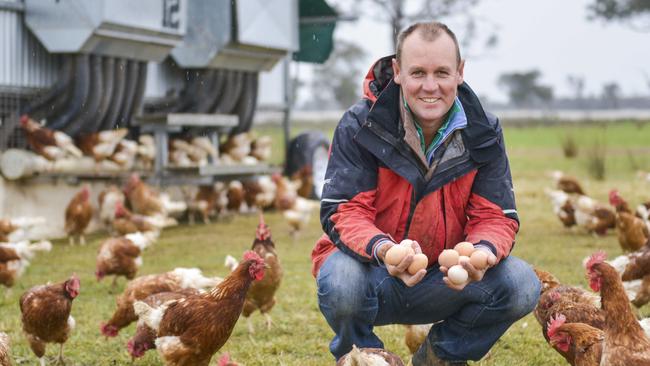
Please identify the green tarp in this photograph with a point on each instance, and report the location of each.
(317, 21)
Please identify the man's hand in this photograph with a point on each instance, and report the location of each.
(475, 275)
(401, 270)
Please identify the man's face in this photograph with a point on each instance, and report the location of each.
(429, 75)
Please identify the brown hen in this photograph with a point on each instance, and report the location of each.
(46, 315)
(78, 215)
(261, 295)
(625, 341)
(141, 287)
(189, 331)
(582, 341)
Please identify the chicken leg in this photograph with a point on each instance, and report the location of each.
(269, 322)
(60, 360)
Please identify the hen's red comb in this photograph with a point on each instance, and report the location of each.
(224, 359)
(597, 257)
(555, 323)
(249, 254)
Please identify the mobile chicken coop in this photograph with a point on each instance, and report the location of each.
(161, 68)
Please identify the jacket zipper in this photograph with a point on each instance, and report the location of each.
(412, 205)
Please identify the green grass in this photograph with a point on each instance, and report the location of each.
(300, 335)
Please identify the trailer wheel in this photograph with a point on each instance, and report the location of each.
(309, 149)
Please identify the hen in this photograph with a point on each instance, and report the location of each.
(634, 269)
(286, 192)
(100, 145)
(121, 256)
(633, 232)
(415, 335)
(304, 178)
(142, 198)
(78, 215)
(189, 331)
(51, 144)
(582, 341)
(226, 361)
(625, 341)
(562, 207)
(15, 257)
(5, 348)
(141, 287)
(299, 214)
(126, 222)
(261, 294)
(259, 192)
(236, 147)
(593, 216)
(6, 228)
(236, 197)
(144, 337)
(108, 200)
(208, 201)
(577, 305)
(369, 357)
(46, 315)
(566, 183)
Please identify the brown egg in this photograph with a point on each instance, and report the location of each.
(448, 258)
(464, 248)
(457, 274)
(420, 261)
(479, 259)
(395, 254)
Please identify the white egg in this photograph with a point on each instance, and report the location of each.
(457, 274)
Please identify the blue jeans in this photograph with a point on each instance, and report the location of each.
(355, 296)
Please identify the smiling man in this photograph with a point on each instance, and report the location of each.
(418, 158)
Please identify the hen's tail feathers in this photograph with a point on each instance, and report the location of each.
(231, 263)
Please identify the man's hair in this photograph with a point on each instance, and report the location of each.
(429, 31)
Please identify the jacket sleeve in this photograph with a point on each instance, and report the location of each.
(347, 204)
(491, 211)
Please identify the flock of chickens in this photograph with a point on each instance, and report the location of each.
(186, 316)
(590, 330)
(111, 150)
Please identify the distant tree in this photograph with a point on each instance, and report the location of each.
(524, 89)
(338, 78)
(577, 86)
(611, 94)
(399, 14)
(632, 12)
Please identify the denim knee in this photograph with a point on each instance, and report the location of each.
(520, 287)
(342, 286)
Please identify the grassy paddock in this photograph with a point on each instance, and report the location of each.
(300, 336)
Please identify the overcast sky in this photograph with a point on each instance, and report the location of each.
(553, 36)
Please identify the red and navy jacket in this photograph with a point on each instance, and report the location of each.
(376, 187)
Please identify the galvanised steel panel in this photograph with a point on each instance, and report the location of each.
(143, 30)
(24, 63)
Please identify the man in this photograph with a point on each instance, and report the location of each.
(418, 158)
